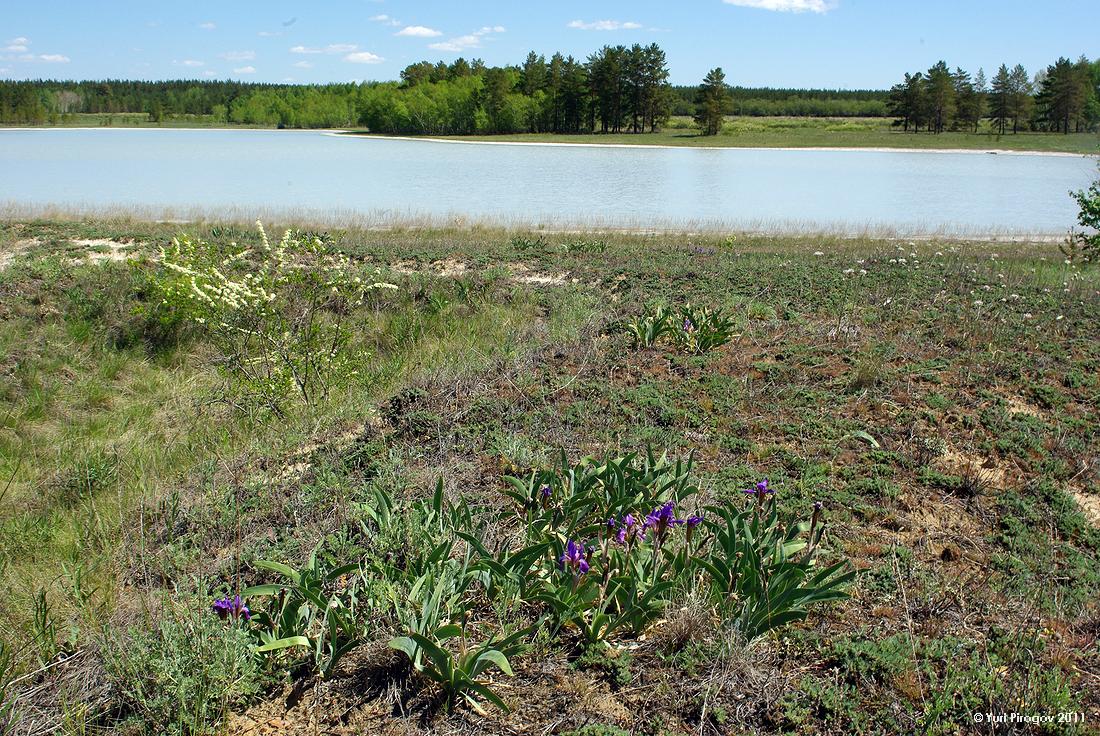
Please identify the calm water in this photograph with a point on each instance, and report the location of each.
(253, 171)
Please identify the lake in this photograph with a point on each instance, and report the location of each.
(259, 172)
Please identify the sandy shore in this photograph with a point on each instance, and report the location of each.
(878, 149)
(595, 144)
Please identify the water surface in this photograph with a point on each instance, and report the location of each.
(264, 170)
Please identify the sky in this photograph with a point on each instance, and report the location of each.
(849, 44)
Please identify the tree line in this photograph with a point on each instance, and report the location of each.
(1064, 97)
(792, 102)
(617, 89)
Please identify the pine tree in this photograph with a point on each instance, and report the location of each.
(981, 97)
(1020, 96)
(1000, 108)
(907, 102)
(607, 84)
(657, 95)
(534, 75)
(966, 101)
(711, 102)
(940, 88)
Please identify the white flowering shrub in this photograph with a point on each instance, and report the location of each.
(277, 313)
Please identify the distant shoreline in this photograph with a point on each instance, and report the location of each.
(878, 149)
(574, 144)
(12, 211)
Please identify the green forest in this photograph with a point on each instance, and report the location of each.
(1062, 98)
(617, 89)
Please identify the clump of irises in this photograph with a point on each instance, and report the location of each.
(600, 547)
(656, 525)
(758, 569)
(689, 328)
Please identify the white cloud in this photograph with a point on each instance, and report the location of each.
(787, 6)
(238, 55)
(245, 70)
(191, 63)
(5, 70)
(457, 44)
(269, 34)
(364, 57)
(209, 73)
(332, 48)
(20, 48)
(386, 19)
(18, 45)
(470, 41)
(208, 26)
(304, 64)
(606, 25)
(418, 32)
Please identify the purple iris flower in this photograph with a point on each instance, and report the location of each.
(573, 557)
(231, 607)
(692, 521)
(547, 492)
(760, 490)
(688, 325)
(661, 519)
(627, 527)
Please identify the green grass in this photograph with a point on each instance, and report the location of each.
(943, 410)
(781, 132)
(138, 120)
(738, 132)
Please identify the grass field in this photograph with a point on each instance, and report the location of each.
(753, 132)
(139, 120)
(738, 132)
(940, 399)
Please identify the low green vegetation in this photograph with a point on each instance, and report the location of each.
(431, 480)
(1084, 245)
(791, 132)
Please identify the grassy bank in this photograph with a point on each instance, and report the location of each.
(738, 132)
(938, 398)
(778, 132)
(138, 120)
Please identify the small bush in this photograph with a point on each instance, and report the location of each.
(278, 314)
(1085, 245)
(182, 675)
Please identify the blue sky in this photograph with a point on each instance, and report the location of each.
(818, 43)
